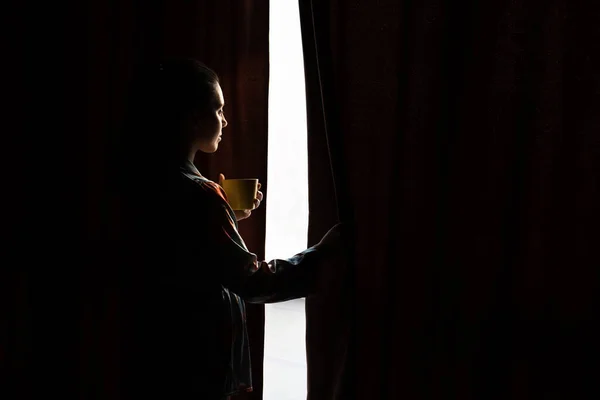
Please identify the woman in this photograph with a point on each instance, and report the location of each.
(188, 270)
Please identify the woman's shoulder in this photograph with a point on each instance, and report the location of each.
(202, 193)
(201, 186)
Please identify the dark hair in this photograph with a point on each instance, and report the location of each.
(166, 93)
(162, 97)
(175, 88)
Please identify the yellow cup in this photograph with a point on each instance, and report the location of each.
(241, 193)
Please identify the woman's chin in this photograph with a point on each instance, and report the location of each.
(209, 149)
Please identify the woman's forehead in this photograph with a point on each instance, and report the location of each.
(219, 99)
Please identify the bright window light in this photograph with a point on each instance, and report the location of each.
(287, 207)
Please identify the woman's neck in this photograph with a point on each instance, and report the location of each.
(189, 165)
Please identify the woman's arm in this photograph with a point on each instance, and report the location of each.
(260, 282)
(291, 278)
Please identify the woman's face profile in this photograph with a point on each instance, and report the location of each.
(211, 123)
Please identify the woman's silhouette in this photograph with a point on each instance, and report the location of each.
(187, 270)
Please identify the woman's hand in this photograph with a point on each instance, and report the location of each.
(333, 239)
(243, 214)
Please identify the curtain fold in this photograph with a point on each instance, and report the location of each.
(329, 314)
(464, 137)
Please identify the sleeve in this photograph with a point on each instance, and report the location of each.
(241, 272)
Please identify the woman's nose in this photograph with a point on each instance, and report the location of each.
(224, 122)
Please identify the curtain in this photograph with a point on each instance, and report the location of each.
(70, 68)
(463, 139)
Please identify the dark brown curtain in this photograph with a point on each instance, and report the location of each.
(464, 143)
(70, 65)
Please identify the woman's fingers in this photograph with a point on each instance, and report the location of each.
(258, 200)
(240, 215)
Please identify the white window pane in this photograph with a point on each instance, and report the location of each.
(287, 209)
